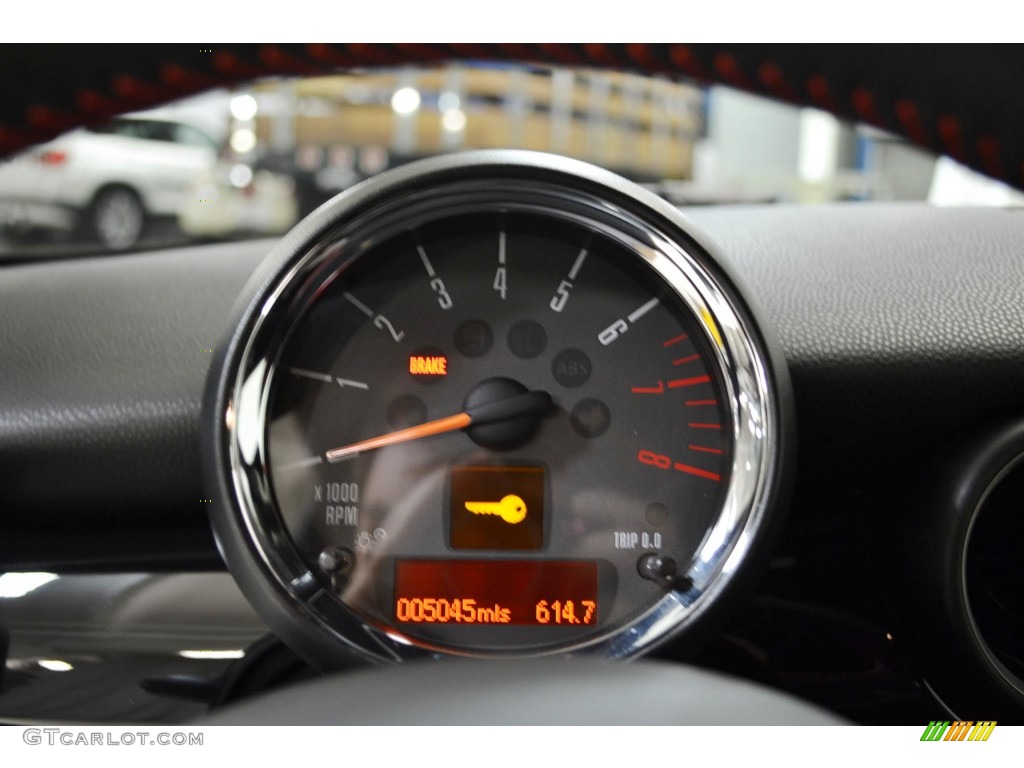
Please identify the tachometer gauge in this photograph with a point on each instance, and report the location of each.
(492, 404)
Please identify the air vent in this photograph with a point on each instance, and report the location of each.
(994, 572)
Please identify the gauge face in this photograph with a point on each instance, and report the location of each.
(487, 412)
(530, 530)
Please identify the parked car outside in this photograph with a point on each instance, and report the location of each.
(109, 181)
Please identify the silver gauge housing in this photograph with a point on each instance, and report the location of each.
(248, 523)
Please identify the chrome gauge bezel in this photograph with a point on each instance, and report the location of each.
(249, 528)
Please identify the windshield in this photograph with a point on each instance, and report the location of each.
(253, 161)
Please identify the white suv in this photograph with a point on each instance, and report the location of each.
(107, 181)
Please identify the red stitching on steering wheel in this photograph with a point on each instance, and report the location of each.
(910, 119)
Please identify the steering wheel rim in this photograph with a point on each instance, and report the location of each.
(535, 692)
(929, 94)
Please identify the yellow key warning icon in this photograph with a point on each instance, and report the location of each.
(511, 508)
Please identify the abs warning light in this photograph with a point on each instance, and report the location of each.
(428, 365)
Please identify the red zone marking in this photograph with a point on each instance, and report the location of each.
(677, 383)
(674, 384)
(649, 390)
(705, 449)
(698, 472)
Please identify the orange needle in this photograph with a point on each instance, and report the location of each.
(526, 404)
(447, 424)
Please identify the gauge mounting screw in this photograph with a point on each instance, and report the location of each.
(654, 567)
(336, 561)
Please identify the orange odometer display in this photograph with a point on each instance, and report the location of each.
(496, 592)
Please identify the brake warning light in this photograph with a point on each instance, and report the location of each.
(428, 365)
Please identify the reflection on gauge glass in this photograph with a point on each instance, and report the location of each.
(498, 430)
